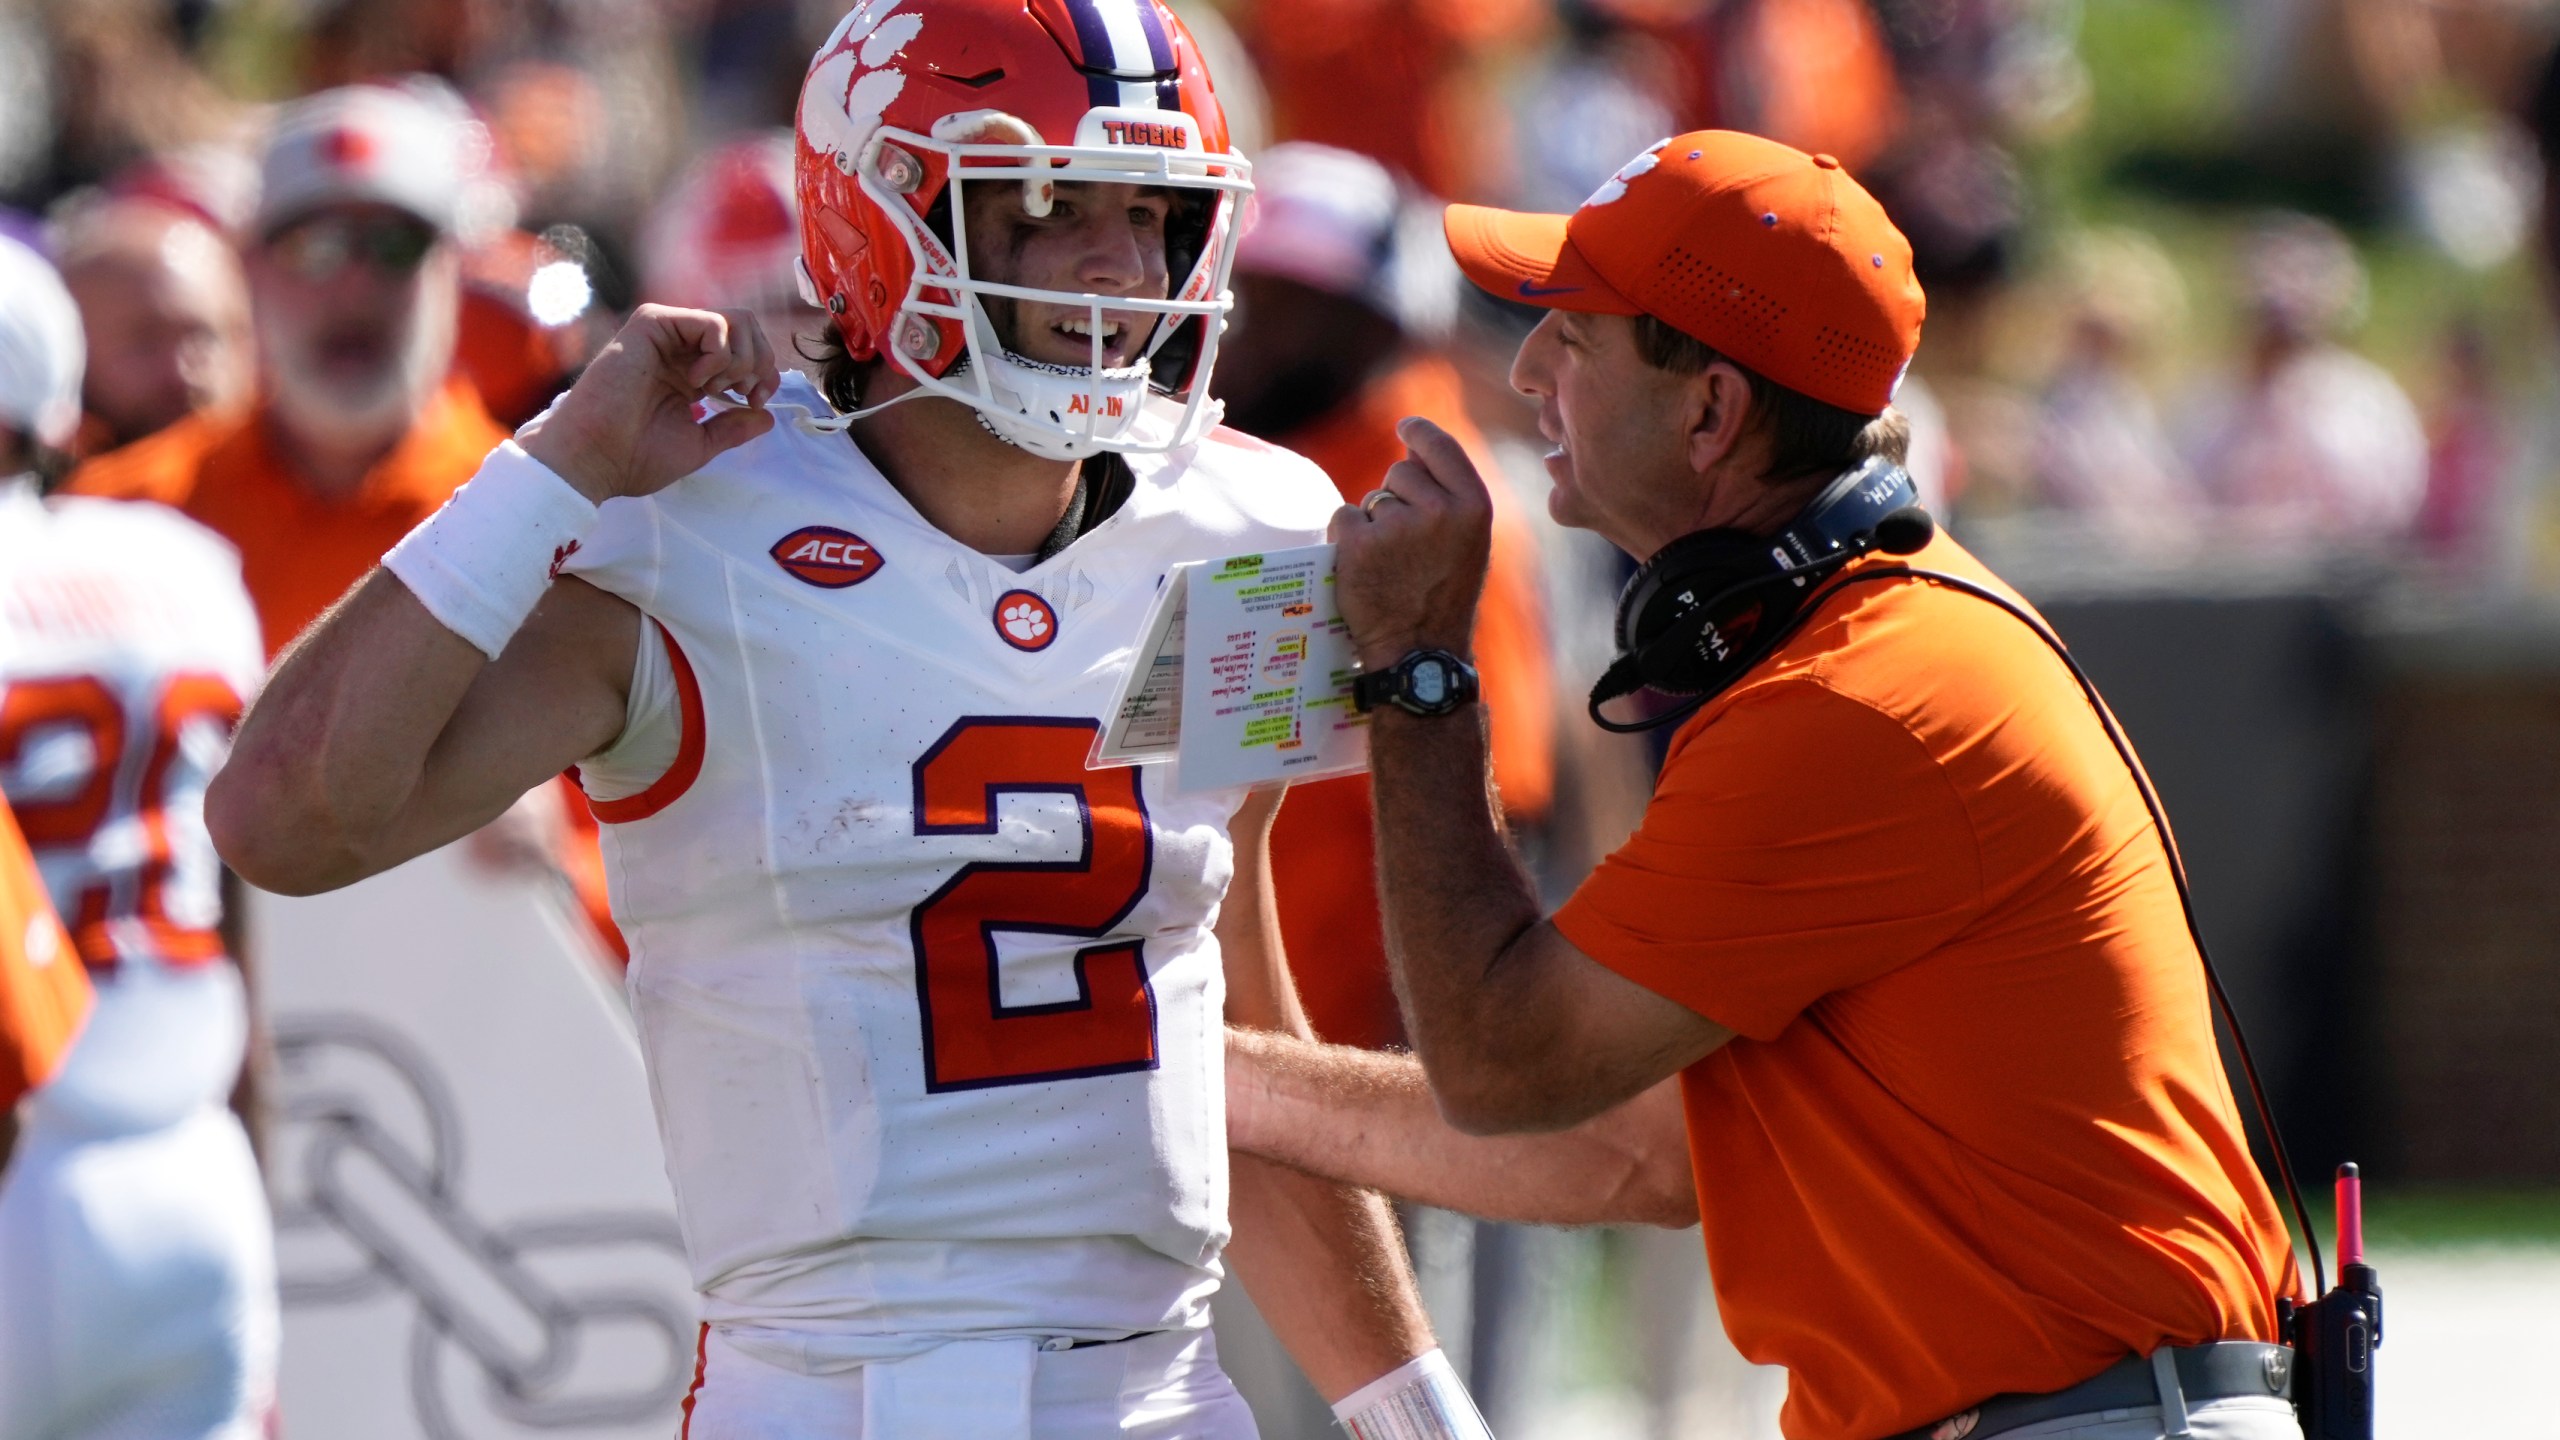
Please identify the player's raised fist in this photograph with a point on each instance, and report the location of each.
(630, 425)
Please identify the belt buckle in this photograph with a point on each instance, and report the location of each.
(1956, 1426)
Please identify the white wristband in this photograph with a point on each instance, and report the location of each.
(482, 562)
(1422, 1399)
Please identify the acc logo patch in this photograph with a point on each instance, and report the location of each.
(1025, 620)
(827, 557)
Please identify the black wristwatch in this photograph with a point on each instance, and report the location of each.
(1424, 682)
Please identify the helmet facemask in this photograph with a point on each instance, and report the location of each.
(1159, 402)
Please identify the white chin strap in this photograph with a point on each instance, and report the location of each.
(1044, 407)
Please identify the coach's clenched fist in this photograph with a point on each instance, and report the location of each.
(628, 427)
(1410, 560)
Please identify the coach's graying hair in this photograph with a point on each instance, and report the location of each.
(1806, 436)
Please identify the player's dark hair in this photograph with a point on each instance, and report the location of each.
(1806, 436)
(839, 374)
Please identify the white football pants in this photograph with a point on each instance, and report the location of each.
(137, 1284)
(1155, 1387)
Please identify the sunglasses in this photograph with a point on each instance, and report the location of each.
(319, 248)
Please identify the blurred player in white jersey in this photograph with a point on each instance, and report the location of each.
(932, 1012)
(137, 1272)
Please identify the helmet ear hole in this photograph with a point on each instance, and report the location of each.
(1173, 362)
(937, 219)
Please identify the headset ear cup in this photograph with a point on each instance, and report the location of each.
(1681, 574)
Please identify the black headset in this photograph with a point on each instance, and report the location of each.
(1694, 619)
(1707, 607)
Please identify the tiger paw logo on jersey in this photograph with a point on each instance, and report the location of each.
(827, 557)
(1025, 620)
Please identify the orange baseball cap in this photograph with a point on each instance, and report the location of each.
(1775, 258)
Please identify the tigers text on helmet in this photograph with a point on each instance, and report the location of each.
(910, 102)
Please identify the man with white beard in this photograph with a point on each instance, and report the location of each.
(361, 429)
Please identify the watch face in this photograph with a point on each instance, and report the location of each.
(1429, 682)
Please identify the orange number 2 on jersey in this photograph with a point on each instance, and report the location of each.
(972, 1038)
(138, 891)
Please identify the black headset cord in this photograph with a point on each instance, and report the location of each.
(1629, 668)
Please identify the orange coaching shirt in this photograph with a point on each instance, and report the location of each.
(1973, 1135)
(44, 991)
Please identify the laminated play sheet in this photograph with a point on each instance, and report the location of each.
(1242, 676)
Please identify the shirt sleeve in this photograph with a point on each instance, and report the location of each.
(1799, 842)
(44, 992)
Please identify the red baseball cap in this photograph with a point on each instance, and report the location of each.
(1775, 258)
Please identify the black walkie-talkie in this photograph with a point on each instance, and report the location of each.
(2334, 1337)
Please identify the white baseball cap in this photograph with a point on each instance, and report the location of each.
(364, 143)
(41, 351)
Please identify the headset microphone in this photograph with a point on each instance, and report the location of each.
(1906, 531)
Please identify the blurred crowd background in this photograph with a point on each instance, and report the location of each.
(2240, 359)
(2204, 279)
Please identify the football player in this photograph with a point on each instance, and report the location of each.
(137, 1267)
(932, 1012)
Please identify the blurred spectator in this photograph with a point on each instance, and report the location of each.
(2100, 449)
(1610, 89)
(166, 314)
(354, 285)
(2314, 443)
(1343, 287)
(1409, 82)
(529, 319)
(727, 237)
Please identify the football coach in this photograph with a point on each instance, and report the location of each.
(1897, 918)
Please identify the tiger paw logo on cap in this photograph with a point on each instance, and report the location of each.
(1616, 185)
(826, 557)
(1025, 620)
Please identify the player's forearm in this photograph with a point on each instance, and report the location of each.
(1326, 1268)
(1456, 903)
(333, 750)
(1368, 1119)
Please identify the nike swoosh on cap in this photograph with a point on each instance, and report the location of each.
(1532, 292)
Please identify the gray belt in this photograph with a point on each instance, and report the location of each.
(2223, 1370)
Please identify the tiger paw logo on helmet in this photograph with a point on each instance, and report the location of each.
(909, 103)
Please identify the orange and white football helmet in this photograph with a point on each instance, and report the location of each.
(909, 101)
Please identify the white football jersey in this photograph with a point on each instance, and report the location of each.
(931, 1011)
(127, 648)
